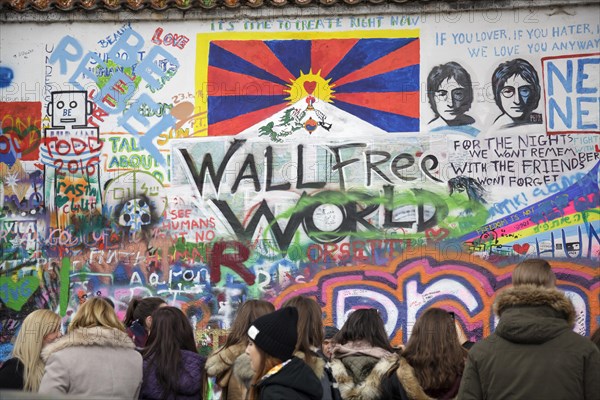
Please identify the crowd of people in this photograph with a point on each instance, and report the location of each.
(287, 354)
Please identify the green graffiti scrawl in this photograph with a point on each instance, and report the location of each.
(457, 214)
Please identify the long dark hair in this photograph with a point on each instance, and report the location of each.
(310, 324)
(364, 324)
(434, 351)
(247, 313)
(171, 332)
(140, 309)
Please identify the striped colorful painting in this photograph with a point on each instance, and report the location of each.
(373, 79)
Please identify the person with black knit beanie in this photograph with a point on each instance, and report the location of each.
(277, 373)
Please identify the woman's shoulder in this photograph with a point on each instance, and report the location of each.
(294, 380)
(317, 363)
(223, 359)
(12, 366)
(91, 339)
(11, 363)
(300, 365)
(192, 358)
(409, 381)
(11, 374)
(294, 367)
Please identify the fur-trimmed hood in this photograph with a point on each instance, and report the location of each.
(227, 363)
(533, 296)
(317, 364)
(94, 336)
(408, 380)
(223, 359)
(242, 369)
(369, 388)
(531, 314)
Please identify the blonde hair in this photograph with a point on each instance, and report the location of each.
(29, 343)
(534, 271)
(95, 312)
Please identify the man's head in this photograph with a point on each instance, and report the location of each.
(328, 343)
(449, 91)
(534, 271)
(516, 88)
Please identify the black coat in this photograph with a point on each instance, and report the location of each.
(322, 369)
(295, 381)
(11, 374)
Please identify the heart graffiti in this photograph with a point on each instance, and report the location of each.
(521, 249)
(310, 86)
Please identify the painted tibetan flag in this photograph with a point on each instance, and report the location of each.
(248, 79)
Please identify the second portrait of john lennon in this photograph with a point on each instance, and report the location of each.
(517, 93)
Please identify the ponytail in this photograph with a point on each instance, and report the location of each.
(129, 318)
(139, 309)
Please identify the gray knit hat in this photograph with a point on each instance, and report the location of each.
(275, 333)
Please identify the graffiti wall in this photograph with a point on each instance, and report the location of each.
(393, 161)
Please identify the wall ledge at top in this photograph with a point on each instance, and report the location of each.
(301, 8)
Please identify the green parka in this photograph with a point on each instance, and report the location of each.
(534, 353)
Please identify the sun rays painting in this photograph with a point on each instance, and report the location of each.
(311, 83)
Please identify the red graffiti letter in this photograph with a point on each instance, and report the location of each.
(235, 261)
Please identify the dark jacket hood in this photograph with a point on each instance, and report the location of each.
(533, 315)
(298, 376)
(359, 366)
